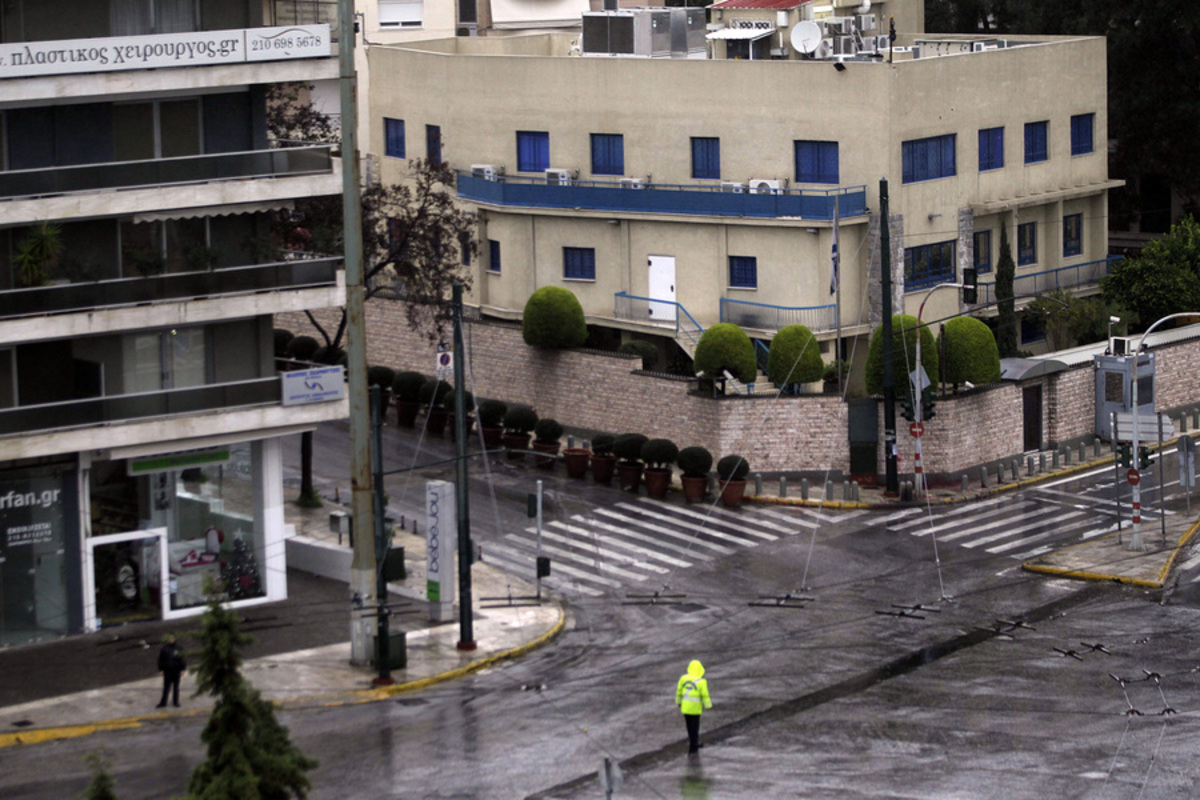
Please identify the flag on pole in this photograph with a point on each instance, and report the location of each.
(833, 278)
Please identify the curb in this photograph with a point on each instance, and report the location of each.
(1078, 574)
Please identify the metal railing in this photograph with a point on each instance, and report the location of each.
(773, 318)
(667, 312)
(123, 408)
(1075, 276)
(74, 297)
(273, 163)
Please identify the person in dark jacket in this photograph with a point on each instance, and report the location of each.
(171, 666)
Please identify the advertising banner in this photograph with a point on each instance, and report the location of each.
(441, 529)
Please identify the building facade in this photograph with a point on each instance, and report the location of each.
(141, 406)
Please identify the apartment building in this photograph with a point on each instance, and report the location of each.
(141, 406)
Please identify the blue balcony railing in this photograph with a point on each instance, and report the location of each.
(773, 318)
(1076, 276)
(74, 297)
(663, 312)
(814, 204)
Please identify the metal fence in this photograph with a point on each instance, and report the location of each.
(773, 318)
(1073, 277)
(667, 313)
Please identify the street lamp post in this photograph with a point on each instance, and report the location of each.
(918, 466)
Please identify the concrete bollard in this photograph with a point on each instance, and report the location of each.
(1054, 460)
(1000, 472)
(1082, 453)
(965, 483)
(804, 488)
(983, 477)
(1066, 456)
(570, 442)
(782, 486)
(1016, 469)
(758, 484)
(828, 490)
(1041, 462)
(1096, 447)
(846, 491)
(1029, 466)
(854, 490)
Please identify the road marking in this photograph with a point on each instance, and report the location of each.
(720, 515)
(690, 538)
(793, 519)
(1021, 531)
(641, 551)
(625, 532)
(519, 559)
(707, 530)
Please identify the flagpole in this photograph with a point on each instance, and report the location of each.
(837, 308)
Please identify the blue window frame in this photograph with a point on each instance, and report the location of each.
(1026, 243)
(433, 143)
(493, 256)
(1031, 330)
(706, 157)
(608, 154)
(1037, 141)
(1072, 234)
(928, 264)
(579, 263)
(991, 148)
(393, 135)
(816, 162)
(982, 242)
(533, 151)
(1082, 136)
(927, 159)
(743, 272)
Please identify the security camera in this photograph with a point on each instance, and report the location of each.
(968, 384)
(1114, 319)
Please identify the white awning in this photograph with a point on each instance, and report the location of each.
(749, 34)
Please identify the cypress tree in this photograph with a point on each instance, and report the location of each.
(1006, 319)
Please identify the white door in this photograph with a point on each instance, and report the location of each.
(662, 288)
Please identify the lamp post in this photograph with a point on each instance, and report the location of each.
(918, 465)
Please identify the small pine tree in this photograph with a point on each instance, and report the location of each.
(250, 754)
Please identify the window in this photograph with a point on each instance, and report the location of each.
(1026, 244)
(433, 143)
(579, 263)
(991, 148)
(1037, 142)
(400, 13)
(608, 154)
(1082, 126)
(816, 162)
(533, 151)
(1072, 235)
(743, 272)
(706, 157)
(140, 17)
(926, 159)
(393, 135)
(493, 256)
(983, 251)
(1031, 330)
(928, 264)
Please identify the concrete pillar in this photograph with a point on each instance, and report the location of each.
(782, 486)
(804, 488)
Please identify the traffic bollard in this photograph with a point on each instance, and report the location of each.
(804, 488)
(758, 484)
(828, 490)
(782, 486)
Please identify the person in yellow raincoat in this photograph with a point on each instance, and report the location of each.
(691, 695)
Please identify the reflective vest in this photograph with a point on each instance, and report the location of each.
(691, 692)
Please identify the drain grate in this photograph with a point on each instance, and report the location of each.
(22, 723)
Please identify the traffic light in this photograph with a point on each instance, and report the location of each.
(1144, 459)
(1124, 454)
(928, 402)
(906, 407)
(970, 289)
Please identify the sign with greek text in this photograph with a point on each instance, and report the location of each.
(31, 510)
(318, 385)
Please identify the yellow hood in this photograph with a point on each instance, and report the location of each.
(696, 669)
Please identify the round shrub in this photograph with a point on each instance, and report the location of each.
(282, 338)
(795, 357)
(553, 319)
(659, 453)
(468, 402)
(904, 353)
(520, 419)
(628, 446)
(491, 413)
(971, 352)
(726, 347)
(547, 430)
(407, 386)
(301, 348)
(434, 392)
(733, 468)
(381, 376)
(695, 461)
(645, 350)
(330, 355)
(602, 444)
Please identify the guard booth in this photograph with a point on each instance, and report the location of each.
(1114, 389)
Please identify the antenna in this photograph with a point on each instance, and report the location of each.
(805, 37)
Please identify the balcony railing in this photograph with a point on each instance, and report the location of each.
(1077, 276)
(123, 408)
(166, 171)
(73, 297)
(814, 204)
(773, 318)
(664, 312)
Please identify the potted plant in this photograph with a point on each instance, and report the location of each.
(382, 377)
(37, 251)
(695, 463)
(576, 460)
(546, 434)
(491, 422)
(469, 420)
(300, 350)
(519, 421)
(628, 449)
(433, 397)
(732, 471)
(659, 456)
(604, 462)
(407, 389)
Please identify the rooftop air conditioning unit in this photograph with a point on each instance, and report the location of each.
(733, 186)
(844, 46)
(882, 42)
(866, 22)
(767, 186)
(489, 172)
(1123, 345)
(561, 177)
(633, 183)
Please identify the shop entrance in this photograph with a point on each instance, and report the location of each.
(127, 573)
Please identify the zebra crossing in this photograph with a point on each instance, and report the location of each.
(619, 546)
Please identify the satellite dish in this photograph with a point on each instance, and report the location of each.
(805, 37)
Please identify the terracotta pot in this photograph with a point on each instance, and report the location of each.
(603, 467)
(576, 459)
(546, 461)
(406, 413)
(450, 420)
(694, 488)
(435, 422)
(732, 492)
(517, 444)
(492, 437)
(657, 482)
(629, 474)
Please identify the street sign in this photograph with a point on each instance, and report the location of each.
(917, 430)
(1134, 477)
(445, 361)
(919, 379)
(1147, 427)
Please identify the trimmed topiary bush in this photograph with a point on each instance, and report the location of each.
(904, 354)
(602, 444)
(547, 430)
(795, 357)
(640, 347)
(330, 356)
(726, 347)
(407, 386)
(659, 453)
(694, 461)
(553, 319)
(301, 348)
(520, 419)
(468, 402)
(971, 352)
(434, 392)
(491, 413)
(282, 338)
(628, 446)
(381, 376)
(733, 468)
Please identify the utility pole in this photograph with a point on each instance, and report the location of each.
(892, 477)
(383, 653)
(362, 568)
(466, 638)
